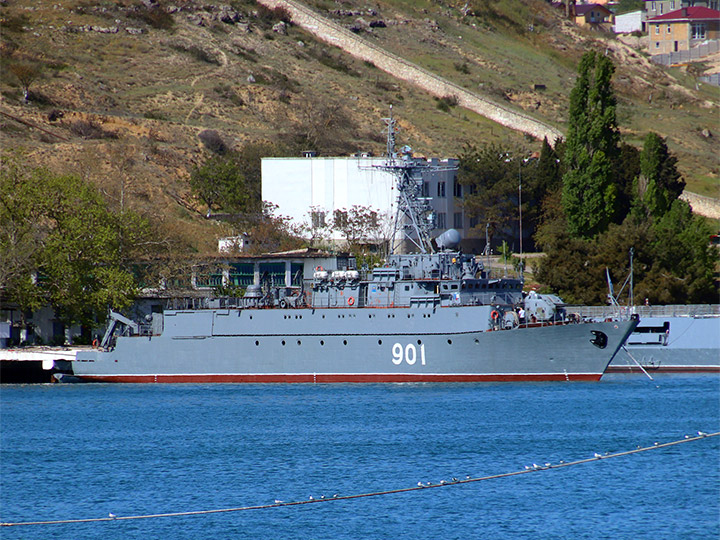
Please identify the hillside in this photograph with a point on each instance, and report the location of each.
(123, 89)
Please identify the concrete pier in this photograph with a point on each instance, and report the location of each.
(35, 364)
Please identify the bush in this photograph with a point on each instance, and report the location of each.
(87, 129)
(462, 67)
(213, 141)
(197, 53)
(446, 103)
(154, 115)
(15, 24)
(155, 17)
(271, 16)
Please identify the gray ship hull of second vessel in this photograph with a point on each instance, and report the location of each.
(673, 339)
(672, 344)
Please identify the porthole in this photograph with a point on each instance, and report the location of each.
(257, 343)
(322, 343)
(477, 342)
(283, 342)
(379, 341)
(299, 342)
(449, 341)
(344, 341)
(419, 341)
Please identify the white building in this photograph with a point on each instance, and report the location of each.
(628, 23)
(310, 188)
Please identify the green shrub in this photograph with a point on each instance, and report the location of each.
(446, 103)
(155, 17)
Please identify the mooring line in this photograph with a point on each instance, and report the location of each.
(454, 481)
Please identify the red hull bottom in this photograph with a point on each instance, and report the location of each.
(339, 378)
(664, 369)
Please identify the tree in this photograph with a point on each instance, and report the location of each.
(683, 260)
(269, 232)
(590, 197)
(659, 183)
(80, 256)
(324, 127)
(27, 72)
(232, 182)
(492, 180)
(359, 225)
(220, 184)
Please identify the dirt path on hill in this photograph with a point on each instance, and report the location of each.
(338, 36)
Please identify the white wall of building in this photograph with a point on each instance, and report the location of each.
(297, 185)
(629, 22)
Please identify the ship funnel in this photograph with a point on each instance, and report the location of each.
(450, 239)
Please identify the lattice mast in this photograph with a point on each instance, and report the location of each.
(414, 217)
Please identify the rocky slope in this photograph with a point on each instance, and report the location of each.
(122, 90)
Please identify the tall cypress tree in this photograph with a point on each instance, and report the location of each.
(659, 183)
(589, 194)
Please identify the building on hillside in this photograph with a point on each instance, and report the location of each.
(683, 30)
(589, 15)
(310, 189)
(655, 8)
(234, 244)
(627, 23)
(594, 16)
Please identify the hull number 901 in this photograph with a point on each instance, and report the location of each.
(409, 354)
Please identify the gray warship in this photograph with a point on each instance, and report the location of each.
(672, 339)
(434, 315)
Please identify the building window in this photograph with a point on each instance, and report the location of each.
(669, 29)
(657, 44)
(657, 28)
(457, 189)
(426, 189)
(698, 30)
(441, 220)
(672, 5)
(661, 8)
(652, 6)
(441, 189)
(457, 220)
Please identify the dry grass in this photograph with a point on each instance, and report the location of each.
(157, 95)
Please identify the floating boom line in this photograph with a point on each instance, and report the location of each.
(527, 470)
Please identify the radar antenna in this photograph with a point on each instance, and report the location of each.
(414, 216)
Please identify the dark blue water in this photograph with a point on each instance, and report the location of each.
(82, 451)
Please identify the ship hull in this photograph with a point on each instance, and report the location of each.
(453, 344)
(682, 344)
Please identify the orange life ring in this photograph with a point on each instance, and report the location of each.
(319, 269)
(350, 301)
(494, 315)
(95, 343)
